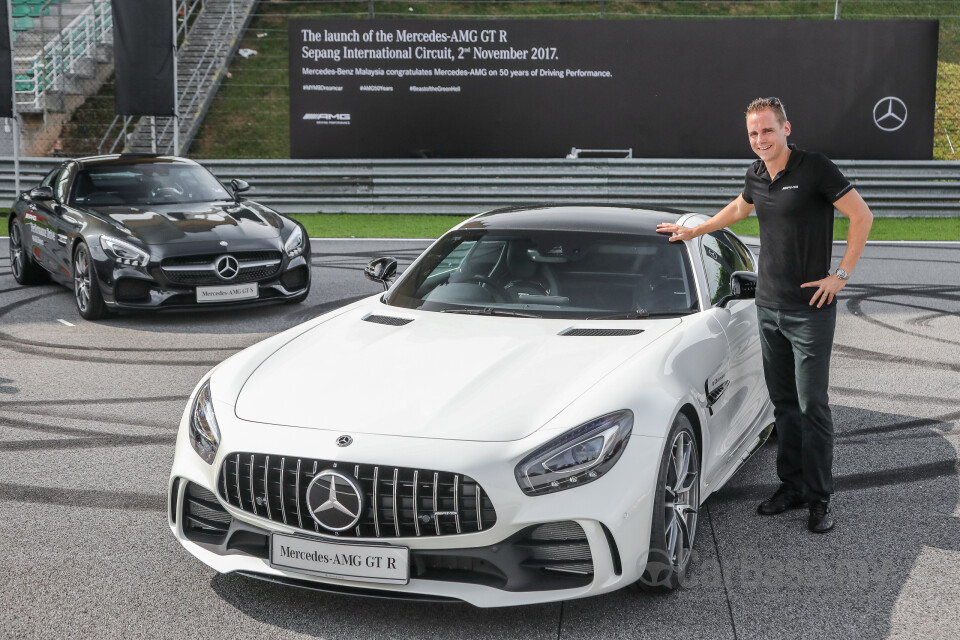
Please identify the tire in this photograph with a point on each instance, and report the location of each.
(674, 522)
(86, 287)
(25, 270)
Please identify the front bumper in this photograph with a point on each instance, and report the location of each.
(533, 553)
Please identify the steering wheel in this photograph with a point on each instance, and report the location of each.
(166, 192)
(499, 293)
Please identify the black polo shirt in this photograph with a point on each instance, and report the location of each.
(795, 211)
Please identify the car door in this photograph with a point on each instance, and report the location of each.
(735, 394)
(66, 221)
(39, 226)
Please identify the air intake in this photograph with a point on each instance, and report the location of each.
(388, 320)
(599, 333)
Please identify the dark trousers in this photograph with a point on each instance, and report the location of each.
(796, 349)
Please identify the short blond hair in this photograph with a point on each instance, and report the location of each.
(774, 104)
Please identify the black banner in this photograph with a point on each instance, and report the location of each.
(143, 57)
(663, 88)
(6, 79)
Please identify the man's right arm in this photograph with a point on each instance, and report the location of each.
(733, 212)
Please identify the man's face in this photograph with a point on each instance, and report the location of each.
(768, 138)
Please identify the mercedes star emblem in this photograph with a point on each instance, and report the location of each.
(890, 113)
(335, 500)
(344, 441)
(227, 267)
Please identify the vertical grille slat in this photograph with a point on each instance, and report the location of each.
(453, 502)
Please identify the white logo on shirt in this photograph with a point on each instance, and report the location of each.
(796, 186)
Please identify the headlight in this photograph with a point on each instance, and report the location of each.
(295, 244)
(124, 252)
(579, 456)
(204, 432)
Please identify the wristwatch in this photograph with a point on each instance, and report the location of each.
(841, 274)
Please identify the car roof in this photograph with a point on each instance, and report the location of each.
(120, 159)
(583, 218)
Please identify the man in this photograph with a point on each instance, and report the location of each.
(794, 193)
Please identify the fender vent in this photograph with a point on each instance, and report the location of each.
(389, 320)
(600, 332)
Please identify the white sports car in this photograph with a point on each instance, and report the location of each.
(533, 411)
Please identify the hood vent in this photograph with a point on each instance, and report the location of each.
(600, 332)
(388, 320)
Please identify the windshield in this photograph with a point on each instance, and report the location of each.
(146, 184)
(550, 274)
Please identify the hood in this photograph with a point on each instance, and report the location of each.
(444, 376)
(161, 224)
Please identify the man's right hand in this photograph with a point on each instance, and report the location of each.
(678, 232)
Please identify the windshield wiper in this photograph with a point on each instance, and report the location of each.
(490, 311)
(639, 314)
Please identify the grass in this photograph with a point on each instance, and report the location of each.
(249, 117)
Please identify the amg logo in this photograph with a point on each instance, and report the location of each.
(796, 186)
(328, 118)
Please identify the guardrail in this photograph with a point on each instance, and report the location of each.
(891, 188)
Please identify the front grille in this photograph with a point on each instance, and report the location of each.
(203, 514)
(398, 502)
(559, 547)
(204, 274)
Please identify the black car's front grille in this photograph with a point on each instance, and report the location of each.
(251, 266)
(398, 502)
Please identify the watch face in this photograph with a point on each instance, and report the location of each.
(843, 275)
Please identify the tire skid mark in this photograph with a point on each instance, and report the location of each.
(82, 497)
(916, 423)
(99, 442)
(907, 397)
(924, 320)
(876, 356)
(856, 310)
(59, 412)
(852, 481)
(27, 425)
(39, 351)
(125, 400)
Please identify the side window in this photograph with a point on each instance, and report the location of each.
(719, 261)
(745, 261)
(50, 178)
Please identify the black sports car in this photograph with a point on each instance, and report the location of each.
(148, 232)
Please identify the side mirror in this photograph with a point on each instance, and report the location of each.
(382, 270)
(743, 286)
(239, 186)
(41, 194)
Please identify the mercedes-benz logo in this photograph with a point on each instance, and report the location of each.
(344, 441)
(335, 500)
(227, 267)
(890, 113)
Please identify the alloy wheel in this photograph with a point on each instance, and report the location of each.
(81, 278)
(16, 253)
(681, 499)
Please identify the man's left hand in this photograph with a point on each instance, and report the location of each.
(826, 289)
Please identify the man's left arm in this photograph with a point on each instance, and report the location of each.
(853, 207)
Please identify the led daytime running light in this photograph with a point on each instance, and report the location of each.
(295, 244)
(124, 252)
(204, 431)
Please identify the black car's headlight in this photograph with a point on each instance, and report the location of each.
(296, 243)
(124, 252)
(577, 457)
(204, 432)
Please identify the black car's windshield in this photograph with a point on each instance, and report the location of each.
(551, 274)
(145, 184)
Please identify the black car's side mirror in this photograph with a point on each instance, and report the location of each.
(743, 286)
(382, 270)
(239, 186)
(41, 194)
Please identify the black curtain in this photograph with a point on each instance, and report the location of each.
(6, 79)
(143, 57)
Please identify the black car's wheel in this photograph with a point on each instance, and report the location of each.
(25, 270)
(86, 287)
(675, 510)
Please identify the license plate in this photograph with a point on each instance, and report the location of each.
(363, 563)
(228, 292)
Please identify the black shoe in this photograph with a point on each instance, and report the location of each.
(784, 499)
(821, 516)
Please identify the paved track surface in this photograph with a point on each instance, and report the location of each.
(88, 415)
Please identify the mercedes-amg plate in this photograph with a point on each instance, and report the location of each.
(533, 411)
(154, 232)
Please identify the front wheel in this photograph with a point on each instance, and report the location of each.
(86, 287)
(675, 510)
(25, 270)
